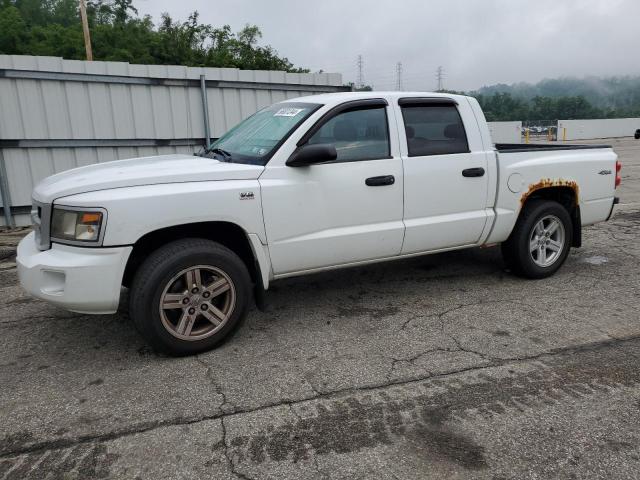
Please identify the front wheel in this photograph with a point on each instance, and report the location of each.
(540, 241)
(189, 295)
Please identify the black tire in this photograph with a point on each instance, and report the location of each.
(516, 250)
(158, 270)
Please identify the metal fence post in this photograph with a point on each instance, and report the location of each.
(4, 191)
(205, 108)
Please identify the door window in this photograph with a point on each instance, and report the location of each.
(434, 130)
(359, 134)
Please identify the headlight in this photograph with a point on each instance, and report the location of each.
(82, 225)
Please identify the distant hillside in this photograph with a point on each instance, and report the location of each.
(605, 97)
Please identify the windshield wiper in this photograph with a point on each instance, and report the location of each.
(220, 151)
(226, 156)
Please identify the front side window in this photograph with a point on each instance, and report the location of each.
(358, 134)
(434, 130)
(256, 139)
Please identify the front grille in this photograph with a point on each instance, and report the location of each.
(41, 218)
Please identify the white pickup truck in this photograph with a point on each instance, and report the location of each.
(306, 185)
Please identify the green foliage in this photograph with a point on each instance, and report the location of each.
(52, 27)
(502, 106)
(55, 40)
(64, 13)
(12, 28)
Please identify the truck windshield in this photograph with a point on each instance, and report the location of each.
(257, 138)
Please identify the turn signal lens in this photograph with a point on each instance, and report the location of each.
(91, 218)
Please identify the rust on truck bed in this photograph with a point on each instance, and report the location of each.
(548, 183)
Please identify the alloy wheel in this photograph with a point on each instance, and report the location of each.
(546, 241)
(197, 302)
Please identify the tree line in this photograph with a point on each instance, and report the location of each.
(53, 28)
(499, 106)
(505, 107)
(563, 98)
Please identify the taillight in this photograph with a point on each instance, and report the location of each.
(618, 177)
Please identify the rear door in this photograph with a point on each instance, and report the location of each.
(339, 212)
(445, 175)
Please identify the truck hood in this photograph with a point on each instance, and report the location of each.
(141, 171)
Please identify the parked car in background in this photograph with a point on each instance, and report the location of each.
(306, 185)
(637, 135)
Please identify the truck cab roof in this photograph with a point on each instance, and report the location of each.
(341, 97)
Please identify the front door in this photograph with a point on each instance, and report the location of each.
(328, 214)
(446, 178)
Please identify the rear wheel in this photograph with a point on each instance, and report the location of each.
(540, 241)
(189, 295)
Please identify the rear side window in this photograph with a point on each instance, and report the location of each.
(435, 129)
(359, 134)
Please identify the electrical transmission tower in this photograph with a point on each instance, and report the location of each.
(399, 76)
(440, 78)
(360, 79)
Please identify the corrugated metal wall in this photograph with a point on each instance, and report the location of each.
(505, 132)
(58, 114)
(601, 128)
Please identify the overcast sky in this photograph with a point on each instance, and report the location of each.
(477, 42)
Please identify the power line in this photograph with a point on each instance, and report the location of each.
(440, 78)
(360, 78)
(372, 71)
(384, 78)
(399, 76)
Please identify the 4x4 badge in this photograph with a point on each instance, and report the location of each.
(604, 172)
(246, 195)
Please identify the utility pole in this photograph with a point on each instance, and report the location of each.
(360, 79)
(440, 78)
(399, 76)
(85, 29)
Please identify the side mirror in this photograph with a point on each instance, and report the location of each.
(310, 154)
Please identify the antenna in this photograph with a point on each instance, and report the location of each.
(399, 76)
(440, 78)
(360, 79)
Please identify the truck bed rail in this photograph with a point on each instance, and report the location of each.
(536, 147)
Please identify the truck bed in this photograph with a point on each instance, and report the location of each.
(588, 170)
(536, 147)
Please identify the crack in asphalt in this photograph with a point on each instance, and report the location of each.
(177, 421)
(414, 358)
(227, 455)
(456, 340)
(218, 389)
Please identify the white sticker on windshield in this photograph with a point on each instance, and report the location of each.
(288, 112)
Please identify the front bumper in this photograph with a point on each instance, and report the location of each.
(80, 279)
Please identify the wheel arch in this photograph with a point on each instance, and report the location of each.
(566, 194)
(228, 234)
